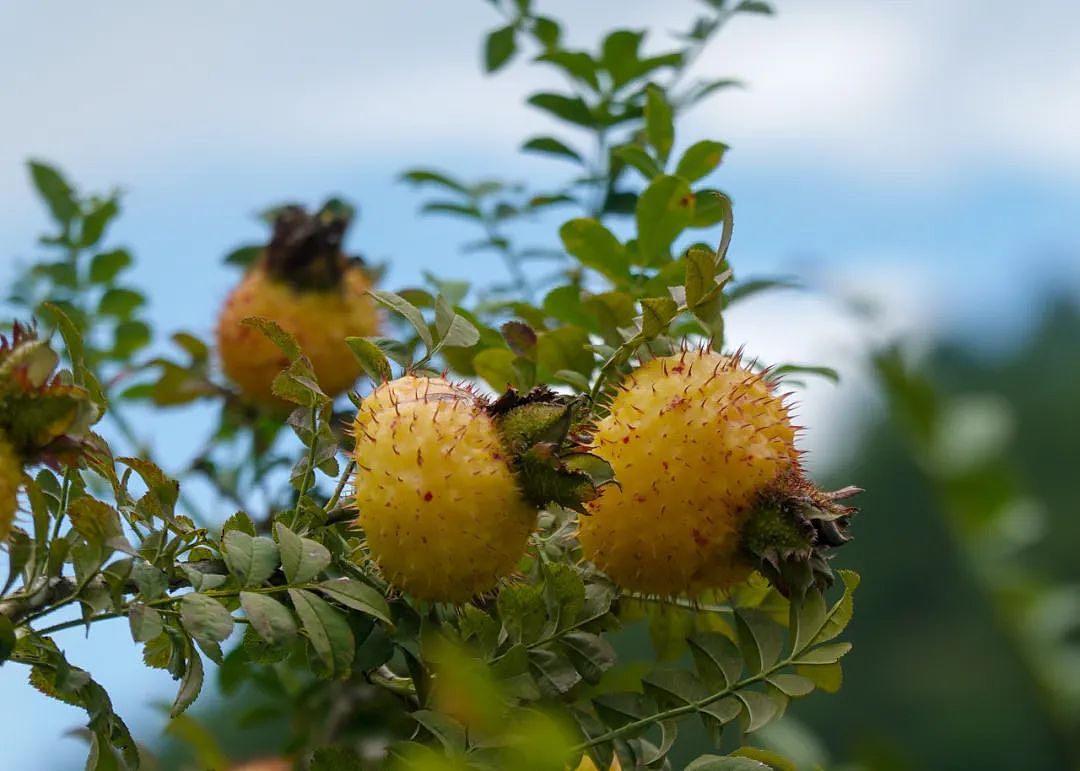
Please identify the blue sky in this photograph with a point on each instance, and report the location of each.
(924, 155)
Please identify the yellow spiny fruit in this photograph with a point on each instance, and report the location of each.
(10, 478)
(442, 511)
(692, 439)
(311, 290)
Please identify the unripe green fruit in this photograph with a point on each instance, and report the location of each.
(442, 511)
(693, 439)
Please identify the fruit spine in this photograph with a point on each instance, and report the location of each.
(305, 284)
(709, 483)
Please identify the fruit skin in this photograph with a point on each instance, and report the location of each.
(443, 513)
(305, 283)
(319, 319)
(693, 439)
(10, 479)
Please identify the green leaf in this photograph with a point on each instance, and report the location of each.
(659, 122)
(715, 715)
(791, 684)
(460, 334)
(827, 677)
(95, 520)
(105, 266)
(244, 256)
(806, 369)
(523, 612)
(95, 222)
(73, 341)
(711, 207)
(120, 302)
(498, 48)
(761, 709)
(618, 709)
(568, 108)
(825, 654)
(449, 207)
(20, 549)
(411, 313)
(430, 177)
(496, 367)
(205, 619)
(55, 191)
(251, 559)
(358, 596)
(335, 758)
(238, 521)
(656, 314)
(620, 55)
(448, 731)
(636, 156)
(551, 146)
(754, 6)
(577, 64)
(590, 654)
(674, 687)
(595, 247)
(190, 685)
(301, 558)
(554, 673)
(807, 617)
(326, 630)
(760, 638)
(7, 638)
(371, 358)
(840, 614)
(744, 289)
(272, 620)
(565, 348)
(663, 211)
(150, 581)
(192, 346)
(145, 622)
(278, 336)
(717, 659)
(700, 275)
(129, 337)
(700, 159)
(611, 311)
(726, 763)
(669, 732)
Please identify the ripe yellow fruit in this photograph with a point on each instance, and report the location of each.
(10, 478)
(319, 319)
(440, 506)
(305, 284)
(692, 439)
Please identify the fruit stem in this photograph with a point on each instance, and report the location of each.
(344, 480)
(309, 466)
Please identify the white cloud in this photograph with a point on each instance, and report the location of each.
(905, 90)
(830, 326)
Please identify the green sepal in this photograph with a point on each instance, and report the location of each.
(790, 531)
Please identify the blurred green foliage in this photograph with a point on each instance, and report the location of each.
(966, 642)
